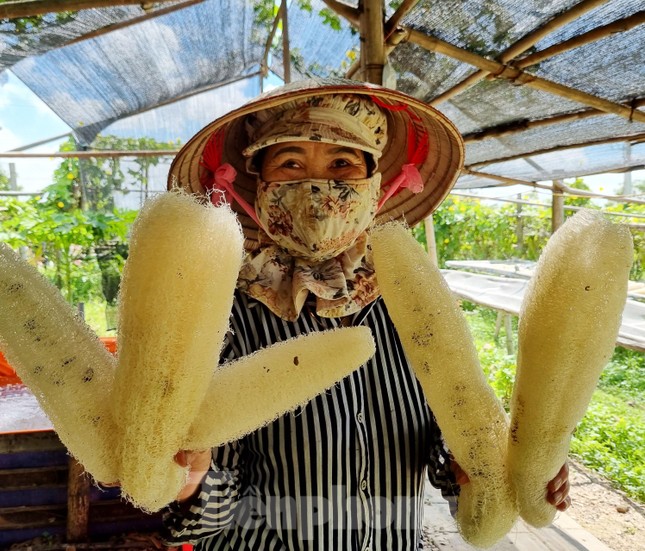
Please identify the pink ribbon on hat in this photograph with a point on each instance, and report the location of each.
(220, 186)
(408, 178)
(418, 144)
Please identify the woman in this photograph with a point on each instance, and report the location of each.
(308, 168)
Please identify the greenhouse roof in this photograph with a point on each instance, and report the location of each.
(540, 89)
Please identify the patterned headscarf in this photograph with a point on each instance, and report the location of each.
(345, 283)
(343, 119)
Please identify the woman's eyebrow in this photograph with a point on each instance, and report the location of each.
(345, 149)
(289, 149)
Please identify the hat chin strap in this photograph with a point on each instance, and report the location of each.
(223, 180)
(408, 178)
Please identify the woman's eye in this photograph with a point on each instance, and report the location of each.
(341, 163)
(290, 164)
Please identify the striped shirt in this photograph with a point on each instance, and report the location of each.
(344, 472)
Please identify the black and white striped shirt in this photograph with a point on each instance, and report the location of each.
(344, 472)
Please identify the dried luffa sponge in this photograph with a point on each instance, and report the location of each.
(174, 306)
(569, 322)
(438, 343)
(61, 360)
(249, 393)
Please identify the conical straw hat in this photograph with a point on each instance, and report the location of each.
(439, 170)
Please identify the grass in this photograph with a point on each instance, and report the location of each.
(610, 439)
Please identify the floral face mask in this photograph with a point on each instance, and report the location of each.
(317, 219)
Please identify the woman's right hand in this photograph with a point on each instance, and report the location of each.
(199, 463)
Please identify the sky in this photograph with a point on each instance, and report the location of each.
(25, 119)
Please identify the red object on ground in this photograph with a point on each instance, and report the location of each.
(8, 374)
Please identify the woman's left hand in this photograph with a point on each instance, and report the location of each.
(557, 490)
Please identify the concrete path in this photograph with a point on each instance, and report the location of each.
(564, 534)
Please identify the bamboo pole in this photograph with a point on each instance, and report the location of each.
(431, 240)
(499, 70)
(542, 205)
(465, 84)
(286, 51)
(524, 125)
(519, 227)
(42, 142)
(28, 8)
(598, 33)
(134, 21)
(557, 206)
(393, 22)
(554, 24)
(264, 65)
(394, 35)
(372, 43)
(521, 46)
(636, 138)
(506, 181)
(351, 14)
(395, 38)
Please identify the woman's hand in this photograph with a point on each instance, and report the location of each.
(199, 463)
(557, 490)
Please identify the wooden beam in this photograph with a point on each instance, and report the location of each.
(78, 503)
(28, 8)
(598, 33)
(372, 41)
(636, 138)
(522, 126)
(134, 21)
(517, 76)
(522, 45)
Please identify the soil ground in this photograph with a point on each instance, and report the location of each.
(608, 514)
(600, 519)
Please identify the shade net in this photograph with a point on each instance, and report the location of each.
(93, 83)
(28, 37)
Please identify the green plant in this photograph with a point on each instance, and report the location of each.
(610, 439)
(4, 181)
(74, 232)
